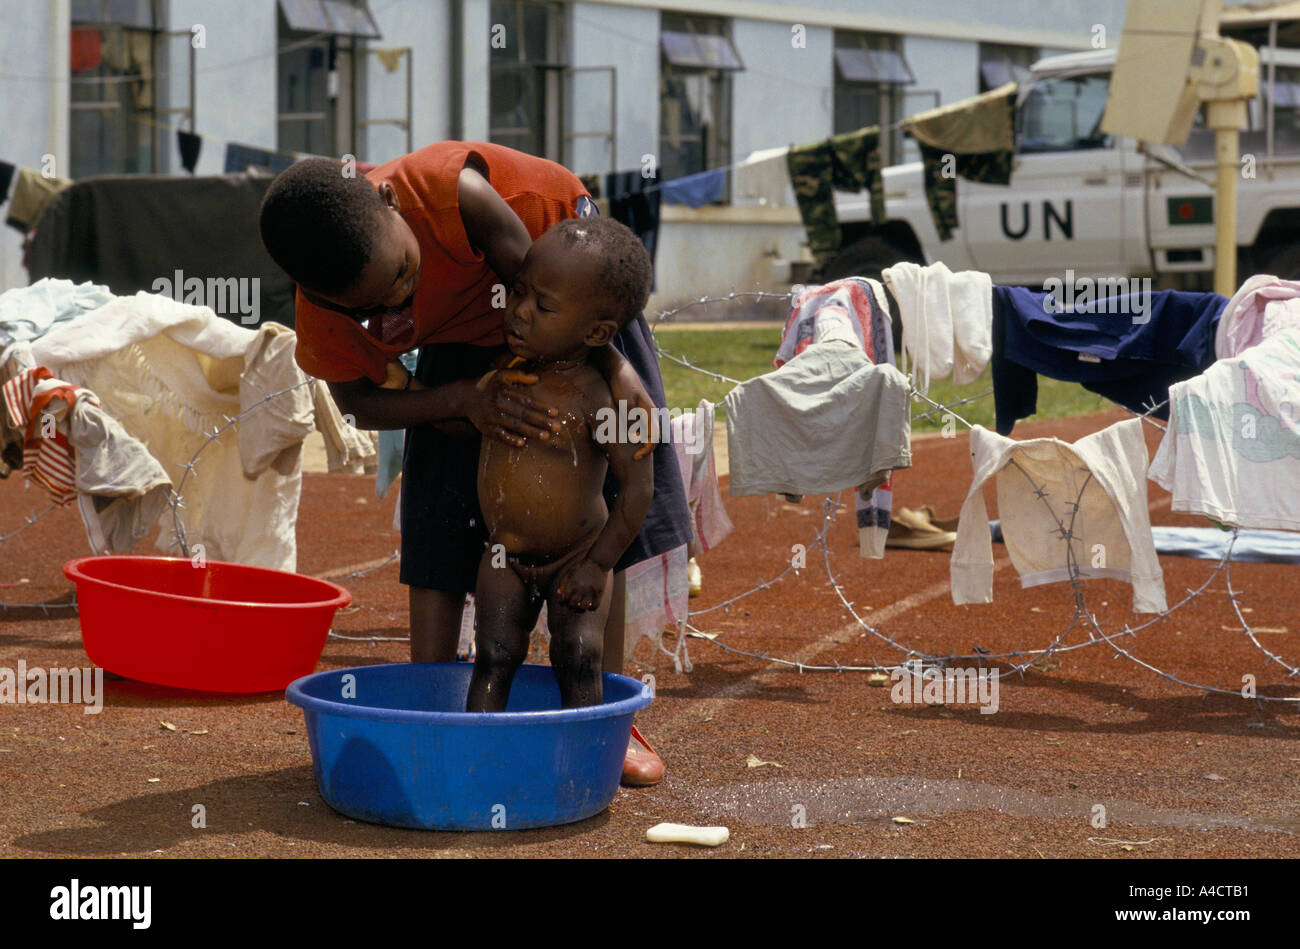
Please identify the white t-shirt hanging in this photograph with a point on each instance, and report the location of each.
(1232, 448)
(1066, 509)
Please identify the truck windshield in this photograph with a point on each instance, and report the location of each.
(1063, 115)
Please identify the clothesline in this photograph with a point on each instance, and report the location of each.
(1058, 645)
(745, 161)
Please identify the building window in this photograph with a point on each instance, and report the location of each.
(697, 60)
(1001, 64)
(526, 77)
(1286, 96)
(319, 43)
(870, 73)
(112, 125)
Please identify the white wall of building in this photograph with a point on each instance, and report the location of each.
(784, 95)
(423, 25)
(235, 97)
(33, 106)
(628, 39)
(476, 48)
(1061, 23)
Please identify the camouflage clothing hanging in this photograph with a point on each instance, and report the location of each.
(993, 168)
(940, 191)
(857, 166)
(979, 134)
(848, 162)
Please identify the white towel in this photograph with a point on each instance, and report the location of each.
(947, 320)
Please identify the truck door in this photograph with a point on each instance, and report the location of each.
(1064, 208)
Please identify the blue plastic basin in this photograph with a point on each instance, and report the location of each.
(403, 751)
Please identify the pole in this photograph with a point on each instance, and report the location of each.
(1272, 80)
(1225, 116)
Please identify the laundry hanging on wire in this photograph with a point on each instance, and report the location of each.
(974, 139)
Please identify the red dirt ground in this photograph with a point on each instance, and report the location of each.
(1178, 773)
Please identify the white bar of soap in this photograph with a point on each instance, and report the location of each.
(686, 834)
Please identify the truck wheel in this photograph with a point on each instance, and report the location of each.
(865, 257)
(1282, 262)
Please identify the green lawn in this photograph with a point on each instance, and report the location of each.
(745, 352)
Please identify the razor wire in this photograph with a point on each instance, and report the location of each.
(175, 499)
(1026, 658)
(1019, 659)
(45, 608)
(27, 522)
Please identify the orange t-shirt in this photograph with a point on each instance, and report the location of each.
(453, 300)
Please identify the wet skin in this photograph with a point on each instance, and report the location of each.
(500, 408)
(551, 538)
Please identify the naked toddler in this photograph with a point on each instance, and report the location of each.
(552, 539)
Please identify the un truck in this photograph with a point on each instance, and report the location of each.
(1093, 203)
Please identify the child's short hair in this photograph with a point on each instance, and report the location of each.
(318, 225)
(625, 268)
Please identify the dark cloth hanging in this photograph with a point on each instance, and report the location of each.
(592, 184)
(6, 176)
(848, 162)
(992, 168)
(696, 190)
(239, 158)
(127, 231)
(1015, 388)
(634, 200)
(979, 134)
(190, 145)
(1128, 348)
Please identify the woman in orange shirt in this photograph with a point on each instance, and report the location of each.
(419, 254)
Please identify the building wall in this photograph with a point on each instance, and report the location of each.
(235, 94)
(784, 95)
(1061, 23)
(423, 25)
(475, 51)
(627, 39)
(33, 105)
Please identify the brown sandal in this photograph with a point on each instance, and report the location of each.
(641, 769)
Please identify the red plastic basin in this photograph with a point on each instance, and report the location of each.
(220, 627)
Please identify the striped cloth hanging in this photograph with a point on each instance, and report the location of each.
(48, 459)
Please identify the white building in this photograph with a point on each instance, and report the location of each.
(102, 85)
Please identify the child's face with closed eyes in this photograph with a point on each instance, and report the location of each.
(556, 310)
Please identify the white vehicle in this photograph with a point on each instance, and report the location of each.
(1095, 203)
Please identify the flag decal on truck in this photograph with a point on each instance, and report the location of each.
(1198, 210)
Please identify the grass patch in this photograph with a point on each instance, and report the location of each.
(745, 352)
(740, 353)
